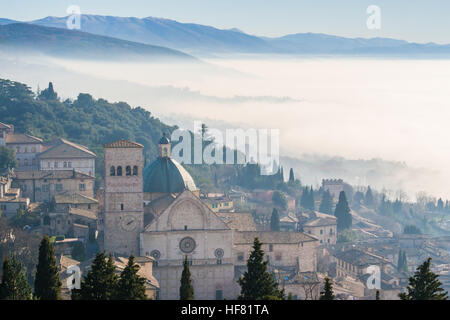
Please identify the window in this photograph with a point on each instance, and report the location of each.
(165, 152)
(89, 206)
(119, 170)
(25, 162)
(121, 206)
(59, 187)
(65, 164)
(48, 164)
(112, 171)
(321, 231)
(68, 221)
(270, 247)
(240, 257)
(26, 149)
(18, 149)
(219, 295)
(33, 162)
(56, 164)
(331, 232)
(185, 227)
(135, 170)
(69, 164)
(82, 187)
(278, 257)
(33, 149)
(328, 240)
(219, 261)
(128, 171)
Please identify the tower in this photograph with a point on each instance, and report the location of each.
(123, 207)
(164, 147)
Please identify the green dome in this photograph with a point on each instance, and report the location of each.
(166, 175)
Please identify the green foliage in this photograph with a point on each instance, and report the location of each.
(23, 218)
(250, 177)
(291, 176)
(14, 285)
(327, 293)
(186, 288)
(307, 199)
(377, 295)
(279, 199)
(368, 198)
(275, 220)
(411, 229)
(257, 283)
(347, 235)
(402, 264)
(131, 286)
(7, 157)
(78, 251)
(342, 213)
(86, 121)
(48, 94)
(424, 285)
(47, 285)
(326, 205)
(100, 283)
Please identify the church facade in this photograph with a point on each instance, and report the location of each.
(158, 213)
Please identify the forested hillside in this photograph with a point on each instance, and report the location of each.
(87, 121)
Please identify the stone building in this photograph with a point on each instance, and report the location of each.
(334, 186)
(61, 154)
(179, 224)
(123, 197)
(42, 186)
(27, 149)
(323, 227)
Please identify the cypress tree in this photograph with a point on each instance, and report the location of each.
(257, 283)
(100, 283)
(186, 288)
(275, 220)
(291, 176)
(14, 284)
(400, 261)
(327, 293)
(47, 285)
(377, 295)
(342, 213)
(304, 198)
(424, 285)
(311, 202)
(131, 286)
(326, 205)
(368, 198)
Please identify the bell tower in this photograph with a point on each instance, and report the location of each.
(164, 147)
(123, 207)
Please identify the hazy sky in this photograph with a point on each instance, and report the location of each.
(413, 20)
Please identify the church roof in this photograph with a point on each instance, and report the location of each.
(18, 138)
(238, 221)
(4, 126)
(123, 144)
(64, 149)
(164, 140)
(166, 175)
(272, 237)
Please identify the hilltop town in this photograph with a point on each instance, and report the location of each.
(153, 208)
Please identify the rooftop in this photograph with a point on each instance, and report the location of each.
(123, 144)
(62, 149)
(74, 198)
(359, 258)
(51, 174)
(83, 213)
(21, 138)
(272, 237)
(238, 221)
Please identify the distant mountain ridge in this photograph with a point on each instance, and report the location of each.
(202, 39)
(76, 44)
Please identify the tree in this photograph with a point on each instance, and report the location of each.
(311, 202)
(14, 285)
(49, 93)
(304, 198)
(100, 283)
(326, 205)
(78, 251)
(424, 285)
(327, 293)
(47, 285)
(186, 288)
(377, 295)
(257, 283)
(368, 198)
(131, 286)
(402, 264)
(440, 205)
(7, 158)
(275, 220)
(358, 197)
(342, 213)
(411, 229)
(291, 176)
(279, 199)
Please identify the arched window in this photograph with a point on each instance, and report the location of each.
(135, 170)
(165, 152)
(119, 170)
(128, 171)
(112, 171)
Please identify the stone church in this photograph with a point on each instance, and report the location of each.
(156, 211)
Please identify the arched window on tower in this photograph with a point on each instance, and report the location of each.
(135, 170)
(112, 171)
(119, 170)
(128, 171)
(165, 152)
